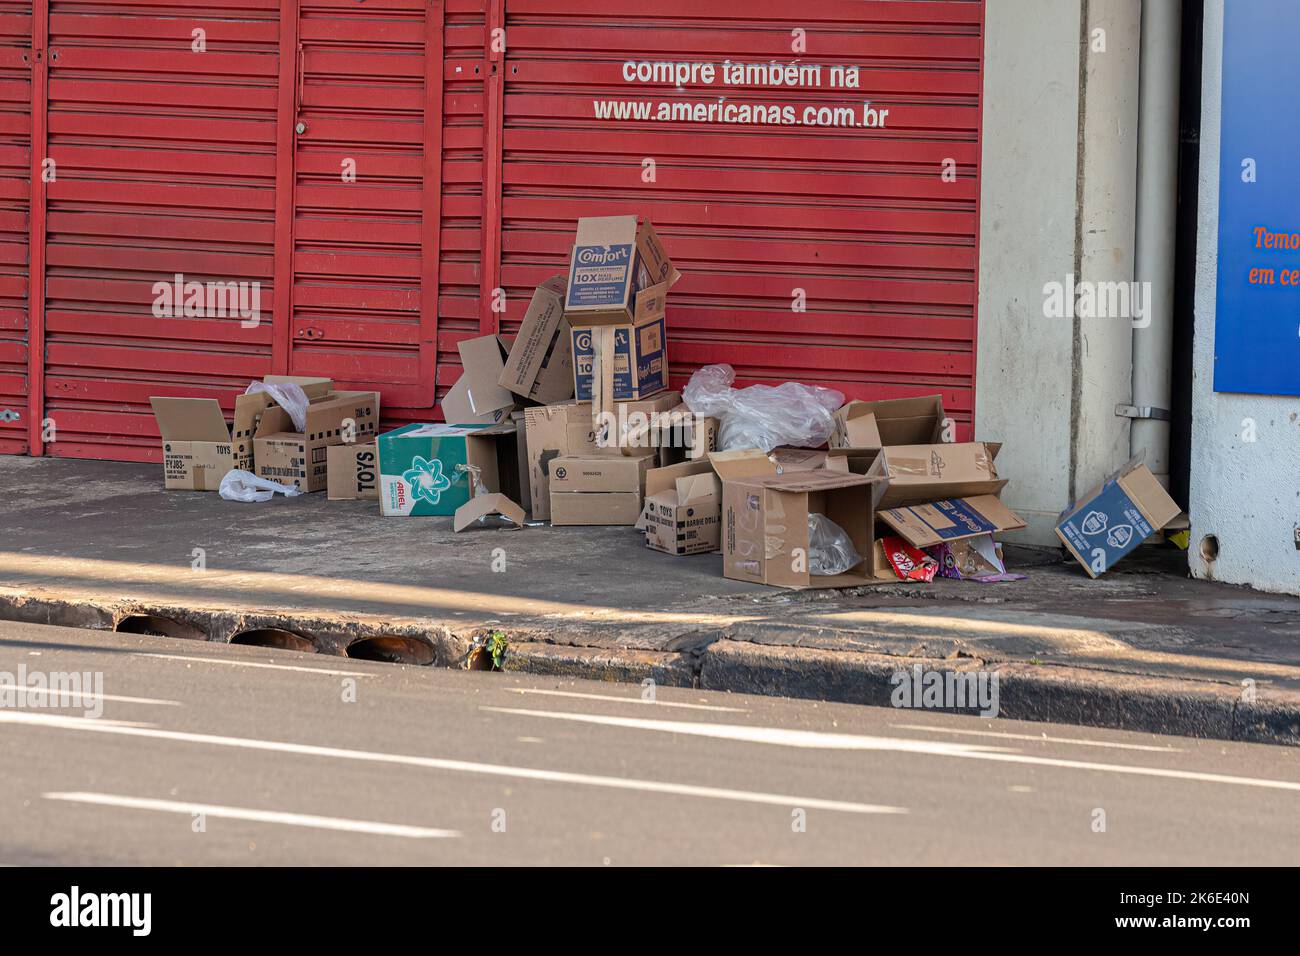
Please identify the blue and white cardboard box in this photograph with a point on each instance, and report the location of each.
(1114, 518)
(613, 260)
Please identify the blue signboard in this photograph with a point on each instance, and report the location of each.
(1257, 327)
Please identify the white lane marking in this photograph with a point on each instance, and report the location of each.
(440, 763)
(628, 700)
(89, 695)
(258, 816)
(825, 741)
(1041, 738)
(759, 735)
(235, 663)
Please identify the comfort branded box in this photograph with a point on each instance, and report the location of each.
(540, 363)
(301, 458)
(621, 363)
(430, 469)
(765, 526)
(613, 259)
(197, 451)
(1114, 518)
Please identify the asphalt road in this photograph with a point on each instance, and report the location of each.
(209, 754)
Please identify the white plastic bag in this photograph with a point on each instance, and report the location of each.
(240, 485)
(289, 396)
(762, 416)
(830, 549)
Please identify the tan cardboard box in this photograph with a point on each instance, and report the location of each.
(611, 508)
(553, 431)
(197, 451)
(921, 473)
(301, 459)
(613, 259)
(477, 398)
(765, 526)
(353, 472)
(249, 409)
(540, 363)
(898, 421)
(579, 474)
(682, 508)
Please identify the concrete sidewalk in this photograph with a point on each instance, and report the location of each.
(1144, 648)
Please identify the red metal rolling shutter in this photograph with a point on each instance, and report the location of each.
(166, 163)
(860, 219)
(16, 71)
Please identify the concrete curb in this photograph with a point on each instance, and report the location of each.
(1034, 692)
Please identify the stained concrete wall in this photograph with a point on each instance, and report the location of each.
(1244, 494)
(1057, 199)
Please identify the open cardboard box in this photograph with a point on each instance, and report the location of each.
(896, 421)
(765, 526)
(951, 519)
(301, 458)
(613, 259)
(430, 469)
(478, 398)
(921, 473)
(682, 513)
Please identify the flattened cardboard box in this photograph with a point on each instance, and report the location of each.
(612, 508)
(765, 526)
(895, 421)
(579, 474)
(301, 459)
(951, 519)
(197, 451)
(540, 363)
(1111, 520)
(682, 513)
(613, 259)
(353, 472)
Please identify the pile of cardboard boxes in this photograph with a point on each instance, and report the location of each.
(571, 420)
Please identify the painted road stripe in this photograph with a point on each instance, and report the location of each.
(439, 763)
(258, 816)
(628, 700)
(42, 692)
(1041, 738)
(236, 663)
(817, 739)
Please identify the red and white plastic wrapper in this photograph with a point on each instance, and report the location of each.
(909, 563)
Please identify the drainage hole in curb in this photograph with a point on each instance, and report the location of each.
(276, 637)
(392, 649)
(153, 625)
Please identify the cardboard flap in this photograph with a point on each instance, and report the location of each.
(741, 463)
(483, 366)
(190, 419)
(668, 478)
(951, 519)
(1150, 497)
(819, 480)
(695, 488)
(654, 258)
(481, 505)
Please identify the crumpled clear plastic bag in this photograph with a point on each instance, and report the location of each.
(240, 485)
(830, 549)
(289, 396)
(762, 416)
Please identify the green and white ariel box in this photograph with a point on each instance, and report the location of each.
(430, 469)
